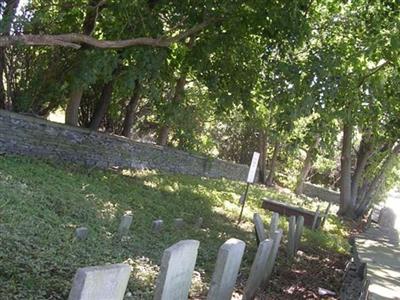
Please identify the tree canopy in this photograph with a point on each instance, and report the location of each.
(312, 85)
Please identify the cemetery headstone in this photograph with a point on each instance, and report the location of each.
(179, 223)
(274, 224)
(259, 227)
(157, 225)
(315, 221)
(100, 282)
(177, 266)
(257, 270)
(125, 224)
(291, 237)
(226, 270)
(276, 238)
(81, 233)
(299, 232)
(199, 222)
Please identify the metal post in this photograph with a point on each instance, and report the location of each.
(244, 201)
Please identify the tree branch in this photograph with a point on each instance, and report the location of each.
(373, 71)
(75, 40)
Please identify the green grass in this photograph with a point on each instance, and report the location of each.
(41, 204)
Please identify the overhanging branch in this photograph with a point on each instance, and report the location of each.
(76, 40)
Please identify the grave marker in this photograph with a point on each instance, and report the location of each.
(199, 222)
(177, 266)
(125, 224)
(179, 223)
(274, 224)
(81, 233)
(276, 237)
(299, 232)
(157, 225)
(291, 237)
(257, 270)
(315, 221)
(259, 227)
(100, 282)
(226, 270)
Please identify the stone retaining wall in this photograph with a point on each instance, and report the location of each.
(312, 190)
(26, 135)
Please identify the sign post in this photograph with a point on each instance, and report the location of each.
(250, 179)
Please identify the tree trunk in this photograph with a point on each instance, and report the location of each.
(375, 185)
(130, 111)
(346, 205)
(72, 110)
(179, 92)
(262, 147)
(89, 24)
(308, 162)
(5, 28)
(104, 102)
(364, 153)
(274, 159)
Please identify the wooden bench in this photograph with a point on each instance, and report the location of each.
(286, 209)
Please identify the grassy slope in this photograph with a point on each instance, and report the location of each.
(41, 203)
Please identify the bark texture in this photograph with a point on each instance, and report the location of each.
(346, 205)
(272, 165)
(130, 111)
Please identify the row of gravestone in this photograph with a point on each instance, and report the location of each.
(177, 266)
(81, 233)
(295, 231)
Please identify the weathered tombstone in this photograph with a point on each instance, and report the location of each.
(325, 215)
(100, 282)
(274, 224)
(179, 223)
(299, 232)
(125, 224)
(291, 237)
(257, 270)
(199, 222)
(81, 233)
(226, 270)
(316, 216)
(276, 241)
(177, 266)
(387, 218)
(259, 227)
(157, 225)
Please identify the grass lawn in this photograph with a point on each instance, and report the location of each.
(41, 204)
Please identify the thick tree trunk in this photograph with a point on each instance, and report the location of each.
(364, 153)
(272, 169)
(130, 111)
(72, 110)
(346, 205)
(5, 28)
(89, 24)
(104, 102)
(262, 147)
(179, 92)
(305, 170)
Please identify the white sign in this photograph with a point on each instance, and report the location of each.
(253, 167)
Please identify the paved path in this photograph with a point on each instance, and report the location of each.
(378, 249)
